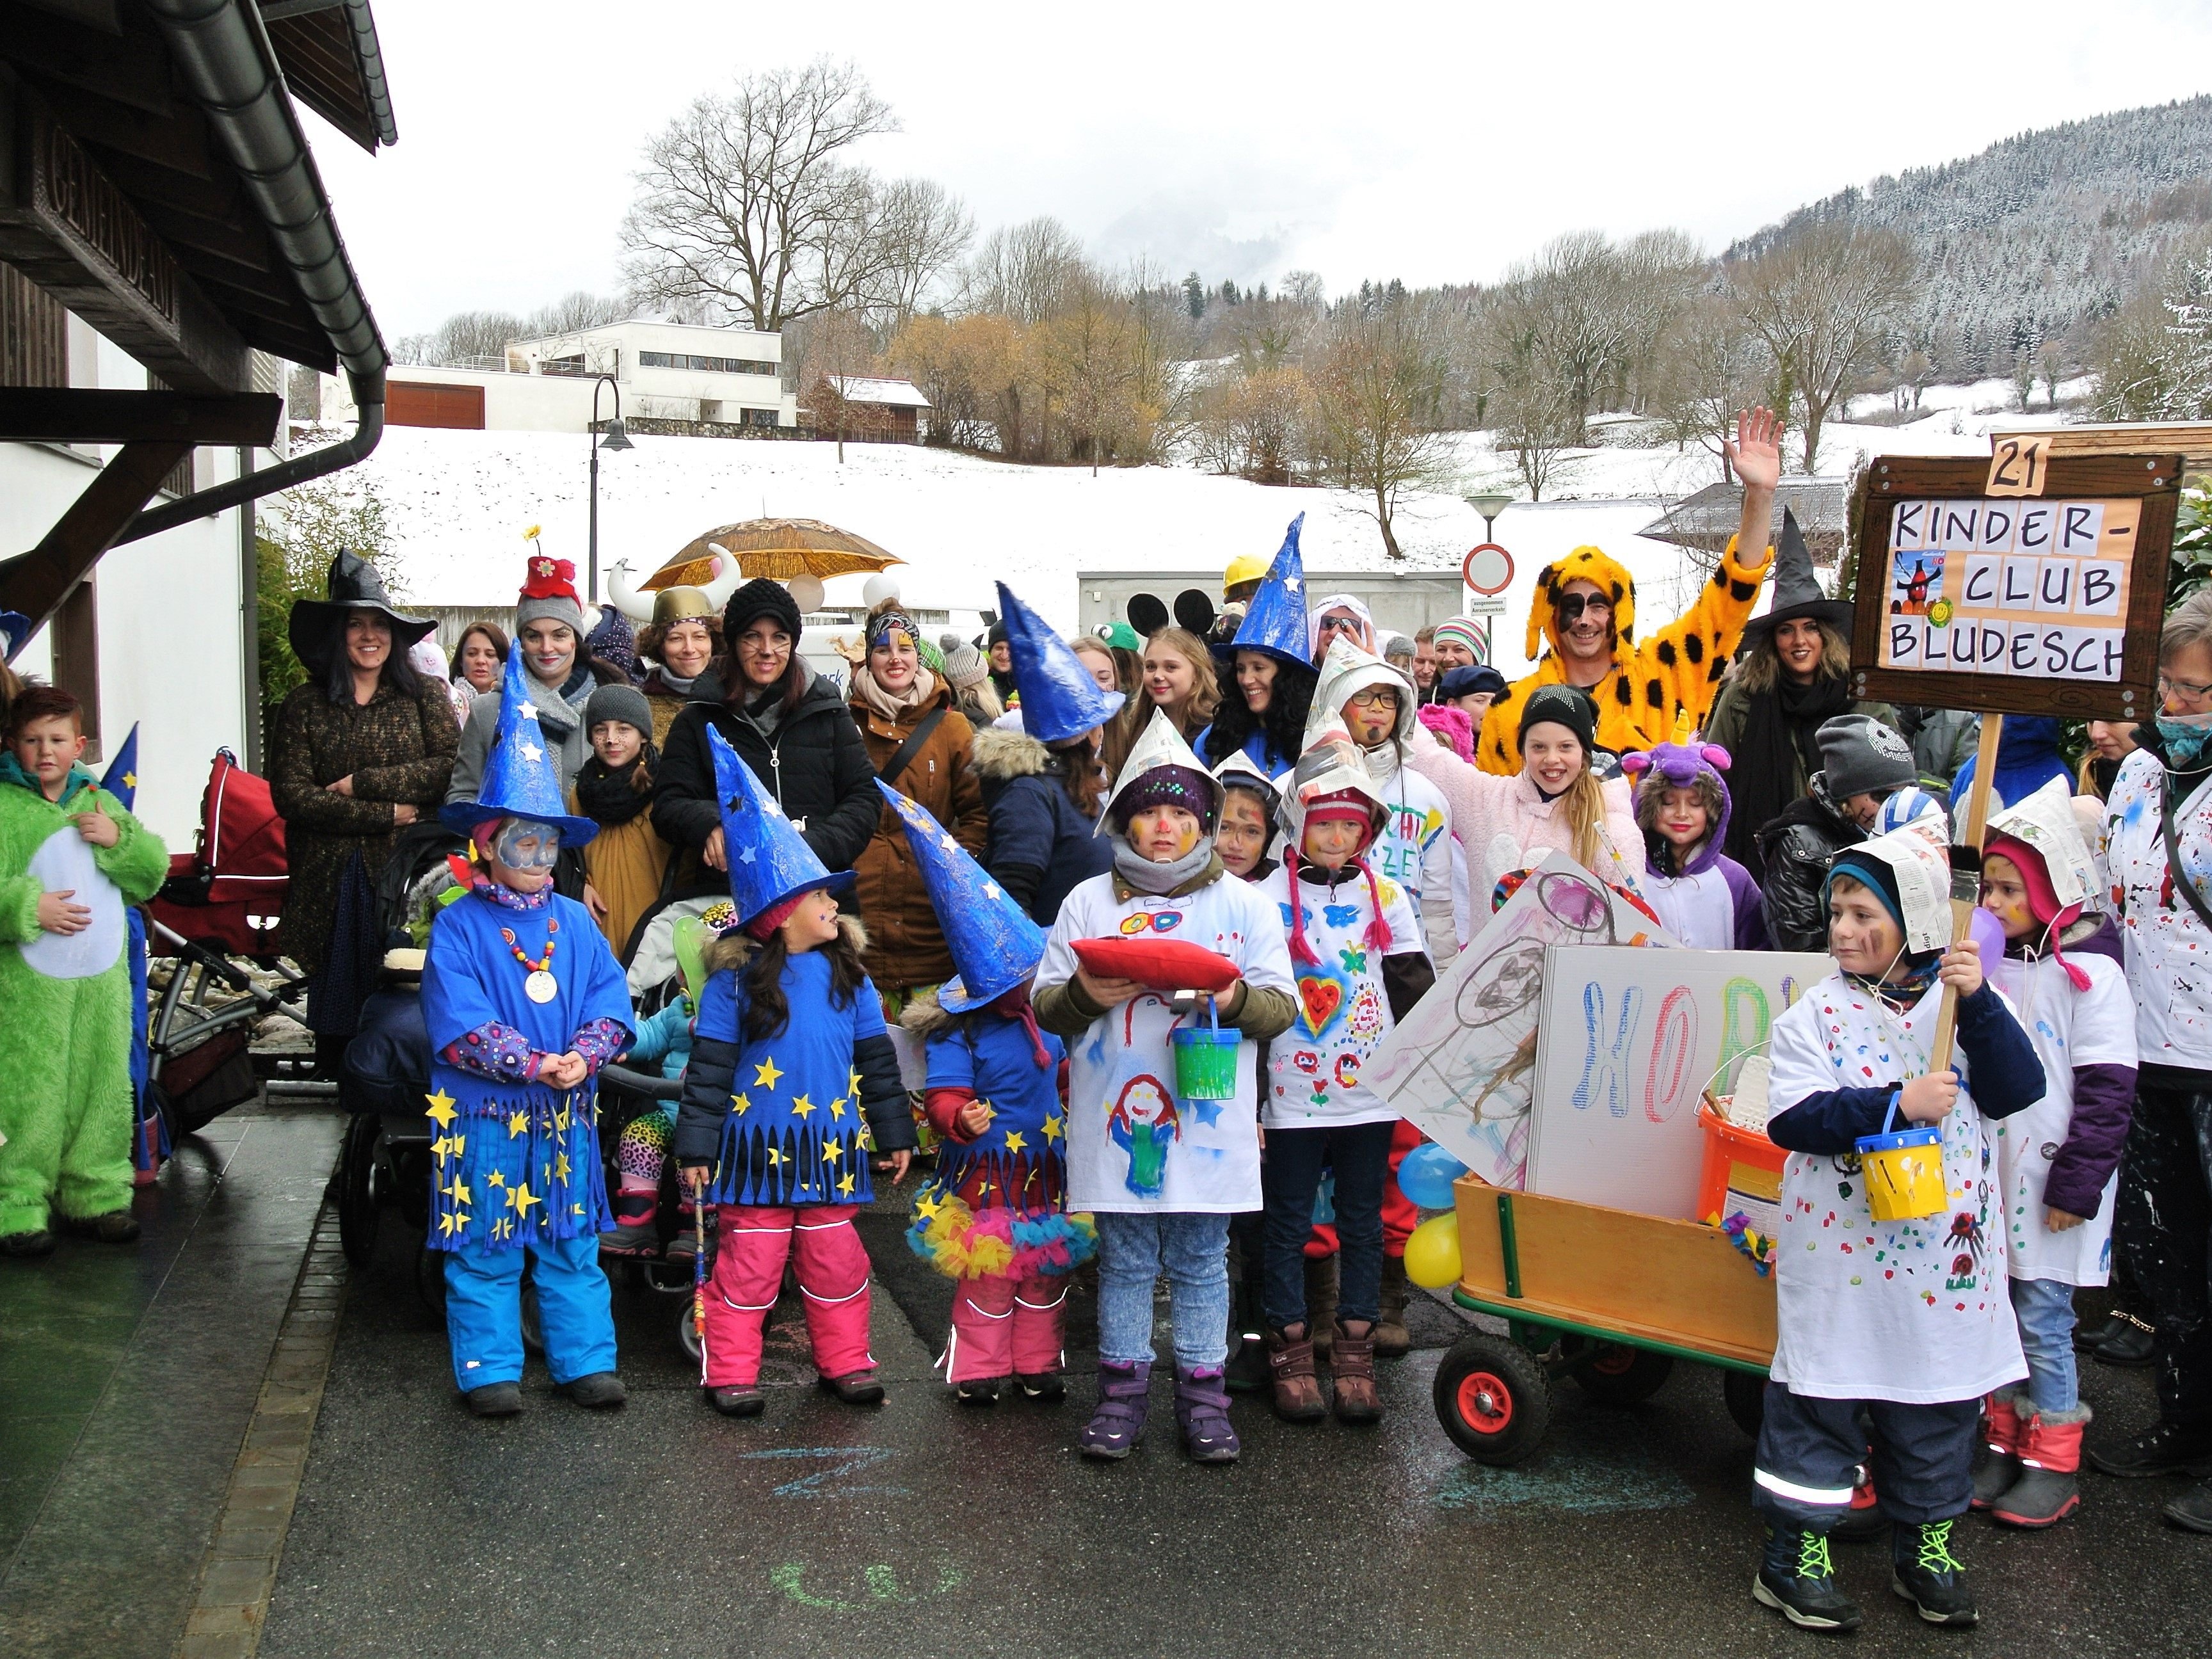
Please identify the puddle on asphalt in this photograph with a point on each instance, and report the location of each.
(1592, 1464)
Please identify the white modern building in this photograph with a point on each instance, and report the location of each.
(676, 372)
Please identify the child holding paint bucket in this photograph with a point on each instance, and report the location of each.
(2058, 1160)
(1356, 949)
(1159, 1166)
(1890, 1257)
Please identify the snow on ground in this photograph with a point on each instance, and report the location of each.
(458, 503)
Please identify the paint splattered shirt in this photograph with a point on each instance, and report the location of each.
(2169, 953)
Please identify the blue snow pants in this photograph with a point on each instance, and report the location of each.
(484, 1311)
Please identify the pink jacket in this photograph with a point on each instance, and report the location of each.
(1506, 824)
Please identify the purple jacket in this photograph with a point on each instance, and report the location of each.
(2104, 1105)
(1686, 766)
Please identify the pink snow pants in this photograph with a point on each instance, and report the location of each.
(832, 1283)
(1002, 1326)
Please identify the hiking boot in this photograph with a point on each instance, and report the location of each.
(2131, 1345)
(2049, 1488)
(116, 1227)
(2193, 1508)
(1999, 1466)
(855, 1388)
(1202, 1413)
(25, 1246)
(1797, 1580)
(495, 1400)
(1290, 1368)
(597, 1390)
(630, 1241)
(1046, 1388)
(1118, 1422)
(1321, 1303)
(1925, 1573)
(977, 1391)
(738, 1401)
(1392, 1340)
(1351, 1371)
(2165, 1448)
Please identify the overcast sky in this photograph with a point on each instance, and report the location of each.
(1428, 142)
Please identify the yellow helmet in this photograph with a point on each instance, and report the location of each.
(1245, 567)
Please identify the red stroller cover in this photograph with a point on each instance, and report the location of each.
(238, 871)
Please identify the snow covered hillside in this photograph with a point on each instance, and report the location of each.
(459, 503)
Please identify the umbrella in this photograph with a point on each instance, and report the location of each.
(778, 548)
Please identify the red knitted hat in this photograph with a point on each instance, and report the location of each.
(546, 578)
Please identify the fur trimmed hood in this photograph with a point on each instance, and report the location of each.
(734, 950)
(923, 1018)
(1000, 757)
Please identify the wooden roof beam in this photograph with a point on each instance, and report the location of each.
(48, 414)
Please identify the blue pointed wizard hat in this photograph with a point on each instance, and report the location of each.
(14, 633)
(995, 944)
(1058, 698)
(770, 860)
(1276, 622)
(521, 778)
(121, 778)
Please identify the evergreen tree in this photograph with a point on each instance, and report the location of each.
(1194, 296)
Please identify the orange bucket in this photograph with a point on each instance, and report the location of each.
(1741, 1173)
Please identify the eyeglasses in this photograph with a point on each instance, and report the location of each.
(2186, 691)
(1571, 606)
(1375, 696)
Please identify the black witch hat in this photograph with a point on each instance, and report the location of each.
(317, 625)
(1797, 590)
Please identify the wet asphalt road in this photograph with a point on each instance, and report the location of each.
(922, 1528)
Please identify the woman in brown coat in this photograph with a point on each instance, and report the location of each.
(362, 750)
(892, 694)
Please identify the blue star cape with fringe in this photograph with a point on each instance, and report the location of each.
(515, 1162)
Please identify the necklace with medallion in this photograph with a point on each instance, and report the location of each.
(538, 983)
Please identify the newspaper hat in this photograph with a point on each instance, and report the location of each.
(2046, 822)
(1275, 621)
(1238, 771)
(521, 778)
(1347, 670)
(1058, 698)
(1917, 862)
(1160, 752)
(769, 861)
(1332, 766)
(995, 944)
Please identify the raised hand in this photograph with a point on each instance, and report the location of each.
(1756, 454)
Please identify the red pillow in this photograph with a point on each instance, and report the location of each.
(1162, 964)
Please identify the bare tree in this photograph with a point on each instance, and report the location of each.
(1568, 304)
(1826, 302)
(471, 338)
(572, 312)
(1711, 364)
(1305, 290)
(745, 201)
(1379, 392)
(833, 348)
(920, 230)
(1535, 423)
(1083, 350)
(1022, 271)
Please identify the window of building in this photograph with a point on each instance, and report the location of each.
(760, 417)
(705, 364)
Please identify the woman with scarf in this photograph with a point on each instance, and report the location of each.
(627, 862)
(922, 744)
(680, 643)
(1794, 673)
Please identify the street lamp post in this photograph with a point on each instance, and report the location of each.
(1490, 506)
(617, 439)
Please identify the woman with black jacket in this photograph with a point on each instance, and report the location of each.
(787, 723)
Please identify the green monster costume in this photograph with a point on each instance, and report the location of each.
(65, 1102)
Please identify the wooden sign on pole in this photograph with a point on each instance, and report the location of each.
(2030, 583)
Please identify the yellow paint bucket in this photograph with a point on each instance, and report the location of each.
(1903, 1173)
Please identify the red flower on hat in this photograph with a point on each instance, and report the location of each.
(551, 579)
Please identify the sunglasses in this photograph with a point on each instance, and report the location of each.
(1340, 624)
(1571, 606)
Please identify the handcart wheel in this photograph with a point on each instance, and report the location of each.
(534, 1328)
(1622, 1376)
(1745, 1395)
(687, 1332)
(357, 1197)
(1493, 1399)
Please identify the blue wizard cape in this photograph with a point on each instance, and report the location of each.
(515, 1162)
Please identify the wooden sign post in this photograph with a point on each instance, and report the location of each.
(2030, 584)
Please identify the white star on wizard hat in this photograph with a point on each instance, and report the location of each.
(520, 779)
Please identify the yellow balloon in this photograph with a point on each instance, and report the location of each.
(1432, 1252)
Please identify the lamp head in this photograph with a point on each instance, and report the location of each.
(615, 438)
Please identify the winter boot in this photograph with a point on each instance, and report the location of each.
(977, 1391)
(634, 1233)
(1046, 1388)
(2132, 1345)
(495, 1400)
(2002, 1432)
(2192, 1510)
(1202, 1414)
(685, 1244)
(1925, 1573)
(860, 1387)
(2049, 1488)
(1298, 1390)
(27, 1246)
(1392, 1340)
(2164, 1448)
(1797, 1580)
(1321, 1303)
(597, 1390)
(1246, 1371)
(116, 1227)
(1117, 1422)
(738, 1401)
(1352, 1369)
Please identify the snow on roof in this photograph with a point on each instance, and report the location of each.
(861, 389)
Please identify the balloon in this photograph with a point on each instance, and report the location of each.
(1426, 1175)
(1986, 930)
(1432, 1252)
(877, 588)
(806, 592)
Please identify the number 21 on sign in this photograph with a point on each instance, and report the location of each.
(2017, 465)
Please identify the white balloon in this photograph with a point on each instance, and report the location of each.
(806, 592)
(878, 587)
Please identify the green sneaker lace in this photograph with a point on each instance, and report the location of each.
(1935, 1549)
(1813, 1556)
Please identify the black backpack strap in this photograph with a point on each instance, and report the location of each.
(904, 755)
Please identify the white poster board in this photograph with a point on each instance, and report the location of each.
(1628, 1040)
(1462, 1065)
